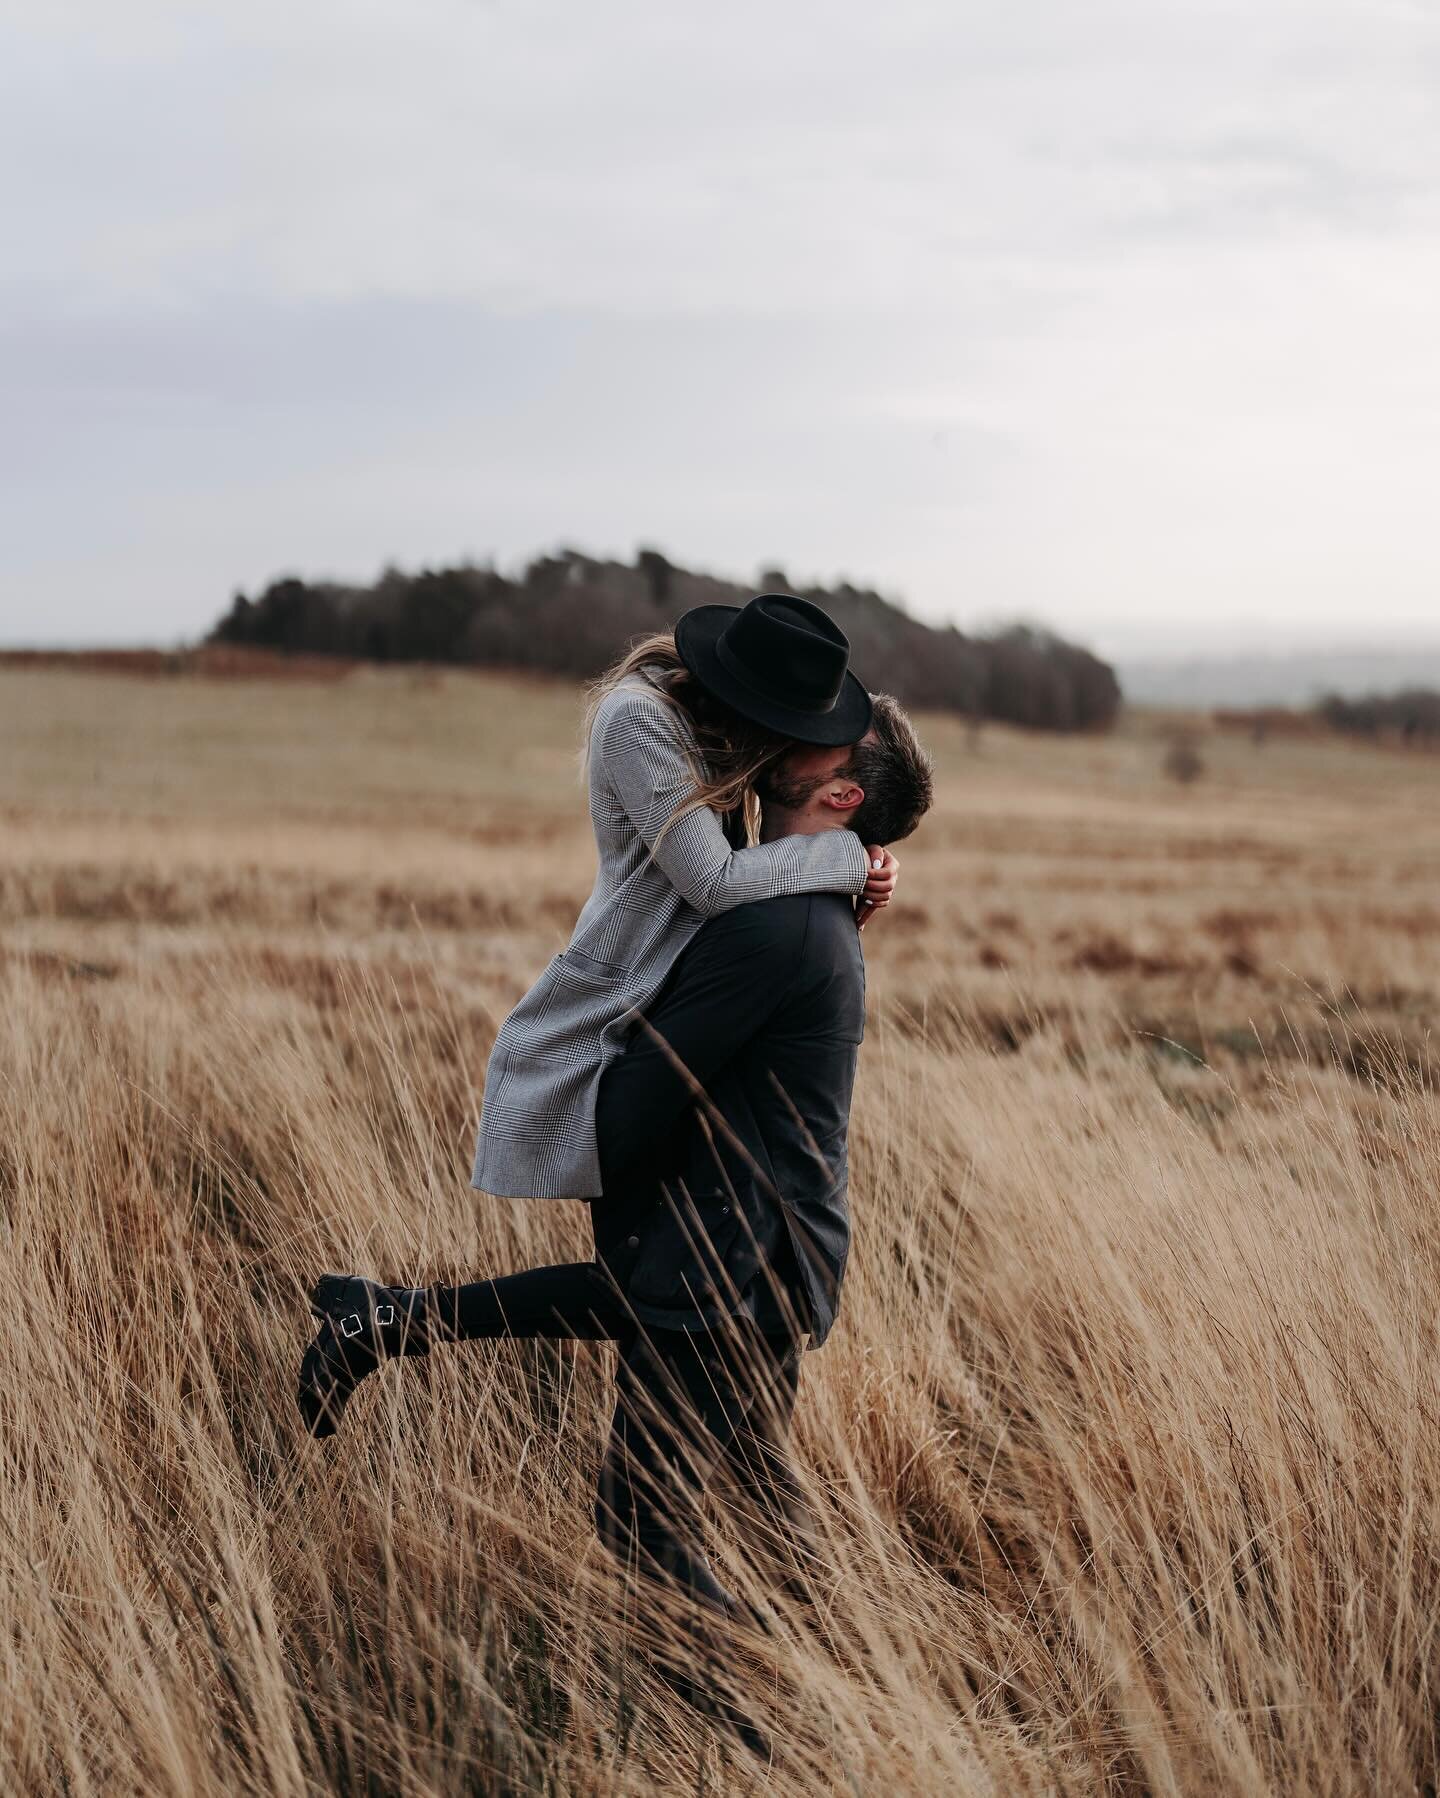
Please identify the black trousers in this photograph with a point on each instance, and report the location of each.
(692, 1407)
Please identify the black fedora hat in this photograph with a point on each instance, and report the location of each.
(779, 661)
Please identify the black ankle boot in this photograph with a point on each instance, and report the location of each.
(361, 1325)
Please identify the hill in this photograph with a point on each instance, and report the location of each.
(572, 614)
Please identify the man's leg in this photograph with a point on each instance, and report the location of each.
(683, 1404)
(674, 1409)
(773, 1514)
(662, 1446)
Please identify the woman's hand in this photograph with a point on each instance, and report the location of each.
(880, 887)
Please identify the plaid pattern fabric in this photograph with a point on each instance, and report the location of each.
(537, 1121)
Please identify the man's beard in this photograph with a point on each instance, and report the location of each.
(789, 792)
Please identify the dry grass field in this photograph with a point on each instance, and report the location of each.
(1126, 1445)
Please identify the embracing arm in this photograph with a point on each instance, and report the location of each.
(639, 747)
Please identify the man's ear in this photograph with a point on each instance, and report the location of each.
(844, 796)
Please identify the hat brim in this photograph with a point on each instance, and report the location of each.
(846, 722)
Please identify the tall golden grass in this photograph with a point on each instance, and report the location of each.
(1126, 1445)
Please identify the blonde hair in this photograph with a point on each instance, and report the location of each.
(727, 753)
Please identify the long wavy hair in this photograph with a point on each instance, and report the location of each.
(733, 752)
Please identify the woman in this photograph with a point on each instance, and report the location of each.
(681, 733)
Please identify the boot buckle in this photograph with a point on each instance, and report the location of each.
(346, 1322)
(384, 1314)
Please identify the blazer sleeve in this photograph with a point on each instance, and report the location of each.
(643, 758)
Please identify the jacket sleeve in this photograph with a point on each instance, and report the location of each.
(643, 758)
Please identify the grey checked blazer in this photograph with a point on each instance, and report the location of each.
(537, 1121)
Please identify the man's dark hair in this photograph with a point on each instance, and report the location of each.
(896, 773)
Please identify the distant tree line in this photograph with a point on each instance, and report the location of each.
(1411, 715)
(571, 614)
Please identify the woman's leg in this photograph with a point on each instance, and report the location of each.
(363, 1323)
(581, 1299)
(575, 1298)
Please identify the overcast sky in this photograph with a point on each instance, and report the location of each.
(1118, 314)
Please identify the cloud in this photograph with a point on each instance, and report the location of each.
(1033, 307)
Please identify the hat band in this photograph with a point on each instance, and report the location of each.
(732, 664)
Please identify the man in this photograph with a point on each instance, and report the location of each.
(723, 1239)
(736, 1092)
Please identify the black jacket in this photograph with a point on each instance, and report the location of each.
(735, 1089)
